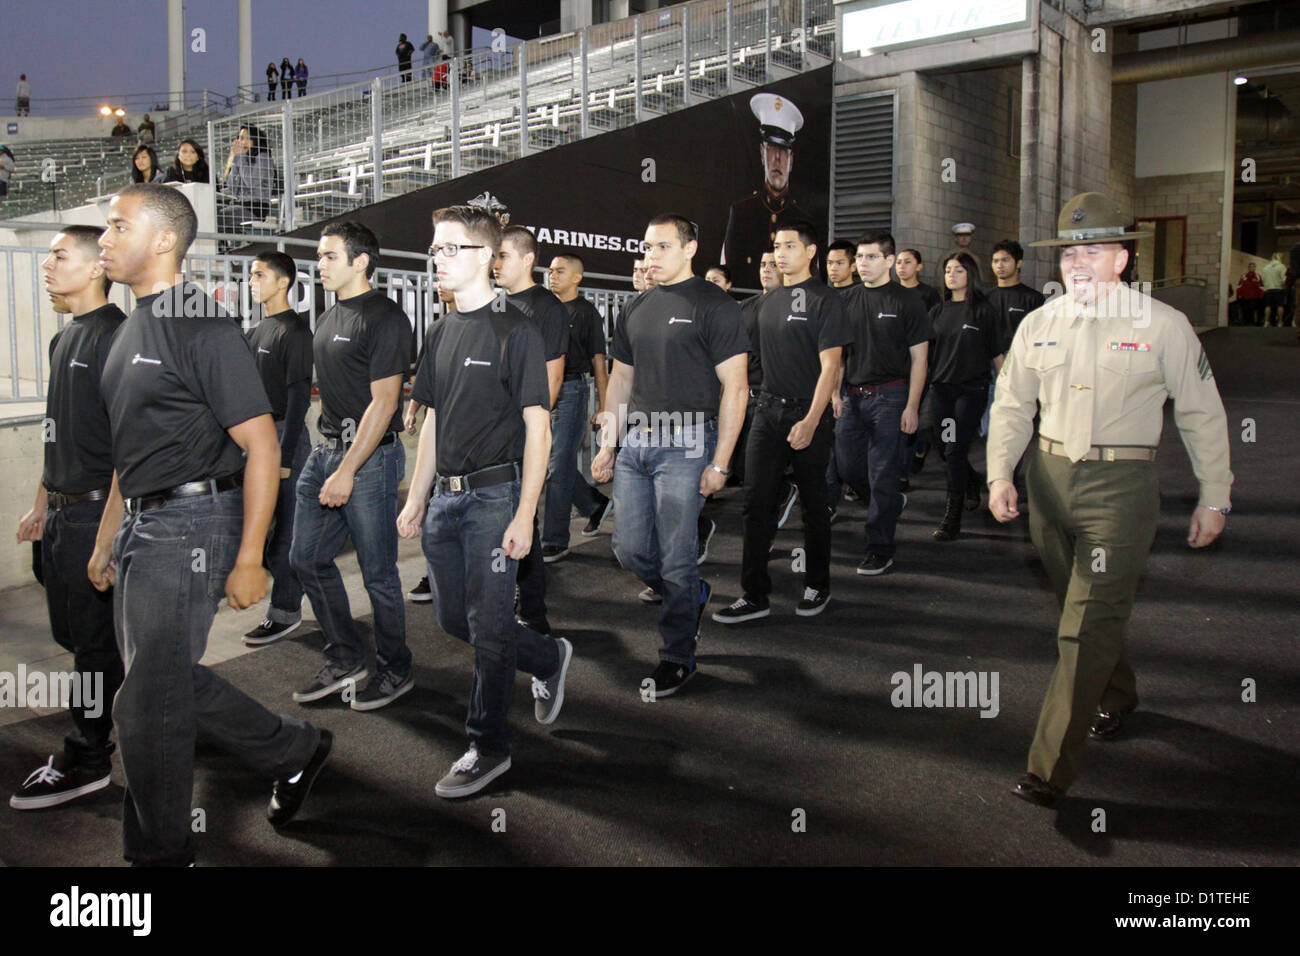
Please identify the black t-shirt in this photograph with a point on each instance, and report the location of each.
(964, 344)
(749, 312)
(479, 370)
(79, 449)
(586, 336)
(360, 340)
(795, 324)
(674, 336)
(1011, 304)
(884, 322)
(930, 296)
(548, 313)
(282, 347)
(174, 383)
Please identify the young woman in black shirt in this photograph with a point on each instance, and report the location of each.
(189, 166)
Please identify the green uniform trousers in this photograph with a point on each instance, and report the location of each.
(1093, 523)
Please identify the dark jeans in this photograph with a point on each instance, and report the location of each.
(565, 487)
(531, 579)
(866, 454)
(742, 442)
(473, 585)
(81, 620)
(767, 455)
(370, 519)
(657, 499)
(172, 565)
(957, 411)
(286, 593)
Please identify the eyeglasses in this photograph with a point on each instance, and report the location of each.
(870, 256)
(449, 249)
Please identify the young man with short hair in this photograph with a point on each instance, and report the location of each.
(282, 346)
(474, 491)
(679, 362)
(1012, 300)
(584, 355)
(348, 487)
(801, 331)
(70, 501)
(839, 264)
(197, 462)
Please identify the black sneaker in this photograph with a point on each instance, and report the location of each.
(330, 680)
(787, 505)
(706, 592)
(741, 610)
(813, 603)
(705, 536)
(597, 518)
(553, 552)
(918, 463)
(541, 627)
(288, 795)
(269, 632)
(668, 679)
(904, 484)
(470, 774)
(548, 695)
(57, 781)
(421, 593)
(384, 688)
(875, 564)
(650, 596)
(972, 494)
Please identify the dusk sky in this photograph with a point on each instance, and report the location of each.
(120, 47)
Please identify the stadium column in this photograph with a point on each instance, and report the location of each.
(176, 52)
(437, 16)
(246, 49)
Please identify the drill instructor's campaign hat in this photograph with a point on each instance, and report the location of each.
(778, 119)
(1090, 218)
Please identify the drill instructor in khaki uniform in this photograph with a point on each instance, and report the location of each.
(1100, 360)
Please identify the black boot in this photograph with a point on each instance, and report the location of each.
(951, 526)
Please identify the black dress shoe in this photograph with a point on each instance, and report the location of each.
(287, 797)
(1036, 790)
(1106, 726)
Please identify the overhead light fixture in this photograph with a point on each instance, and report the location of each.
(1240, 79)
(106, 111)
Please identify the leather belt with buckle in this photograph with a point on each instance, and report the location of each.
(191, 489)
(56, 500)
(483, 478)
(337, 443)
(859, 390)
(1102, 452)
(767, 398)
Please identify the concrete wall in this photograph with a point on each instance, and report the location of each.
(32, 128)
(1199, 197)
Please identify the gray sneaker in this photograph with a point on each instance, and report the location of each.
(330, 680)
(384, 688)
(470, 774)
(548, 695)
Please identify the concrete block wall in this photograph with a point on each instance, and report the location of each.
(1199, 197)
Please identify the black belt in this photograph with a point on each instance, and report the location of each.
(57, 499)
(574, 376)
(860, 390)
(191, 489)
(337, 443)
(767, 398)
(483, 478)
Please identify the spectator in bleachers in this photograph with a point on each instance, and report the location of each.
(300, 74)
(286, 79)
(272, 81)
(248, 181)
(448, 44)
(144, 166)
(189, 166)
(432, 54)
(6, 169)
(146, 131)
(405, 49)
(121, 129)
(23, 103)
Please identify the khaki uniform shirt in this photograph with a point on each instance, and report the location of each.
(1146, 352)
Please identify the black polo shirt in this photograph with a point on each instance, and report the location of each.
(360, 340)
(1011, 304)
(749, 312)
(479, 370)
(674, 336)
(884, 322)
(548, 313)
(795, 324)
(282, 346)
(965, 342)
(79, 445)
(180, 374)
(930, 296)
(586, 337)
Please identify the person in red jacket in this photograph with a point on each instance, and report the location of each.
(1250, 293)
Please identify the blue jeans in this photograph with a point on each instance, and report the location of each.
(657, 499)
(473, 585)
(564, 486)
(172, 565)
(370, 518)
(286, 592)
(867, 435)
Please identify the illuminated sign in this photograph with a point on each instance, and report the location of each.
(868, 29)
